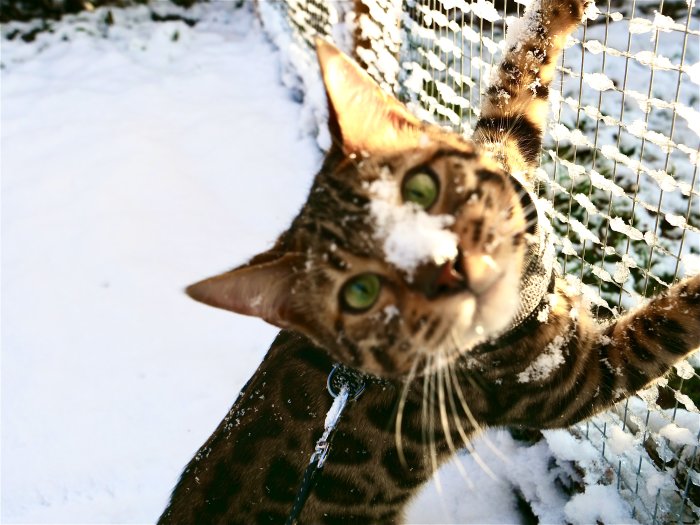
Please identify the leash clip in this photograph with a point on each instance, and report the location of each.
(344, 384)
(342, 376)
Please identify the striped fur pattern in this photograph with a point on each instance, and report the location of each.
(447, 345)
(514, 110)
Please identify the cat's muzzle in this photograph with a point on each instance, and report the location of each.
(439, 280)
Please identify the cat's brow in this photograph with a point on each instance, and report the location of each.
(441, 153)
(337, 262)
(486, 175)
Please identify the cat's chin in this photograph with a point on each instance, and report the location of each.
(497, 307)
(477, 319)
(490, 313)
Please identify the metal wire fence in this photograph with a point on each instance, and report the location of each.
(619, 176)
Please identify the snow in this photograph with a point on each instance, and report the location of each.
(591, 12)
(640, 25)
(410, 236)
(598, 81)
(299, 72)
(598, 504)
(132, 165)
(620, 441)
(675, 220)
(678, 435)
(691, 263)
(524, 27)
(622, 269)
(567, 447)
(617, 224)
(485, 10)
(546, 363)
(390, 311)
(605, 184)
(381, 26)
(685, 400)
(649, 145)
(490, 498)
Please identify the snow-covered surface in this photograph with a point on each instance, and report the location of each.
(473, 495)
(136, 159)
(133, 164)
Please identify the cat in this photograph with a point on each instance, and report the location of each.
(420, 258)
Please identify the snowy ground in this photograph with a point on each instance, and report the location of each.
(132, 166)
(136, 159)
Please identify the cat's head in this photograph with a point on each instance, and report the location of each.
(411, 243)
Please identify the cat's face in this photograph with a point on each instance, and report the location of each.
(410, 247)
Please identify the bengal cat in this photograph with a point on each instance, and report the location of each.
(420, 258)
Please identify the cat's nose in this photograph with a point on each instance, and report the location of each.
(433, 280)
(481, 271)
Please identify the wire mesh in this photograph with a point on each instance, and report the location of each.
(308, 18)
(619, 178)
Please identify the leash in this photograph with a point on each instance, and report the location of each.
(344, 384)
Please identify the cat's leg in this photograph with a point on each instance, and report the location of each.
(590, 367)
(643, 344)
(515, 107)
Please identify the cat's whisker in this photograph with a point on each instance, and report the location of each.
(477, 429)
(431, 430)
(458, 423)
(471, 418)
(424, 401)
(520, 194)
(444, 384)
(400, 411)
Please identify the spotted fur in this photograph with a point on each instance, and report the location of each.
(449, 347)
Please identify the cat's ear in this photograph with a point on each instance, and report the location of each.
(362, 117)
(260, 289)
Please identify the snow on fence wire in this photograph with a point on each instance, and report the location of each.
(619, 176)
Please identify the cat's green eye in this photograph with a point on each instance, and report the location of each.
(360, 292)
(420, 187)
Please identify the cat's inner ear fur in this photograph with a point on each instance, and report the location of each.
(257, 289)
(362, 117)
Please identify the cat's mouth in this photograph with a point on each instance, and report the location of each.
(453, 276)
(448, 278)
(466, 272)
(457, 271)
